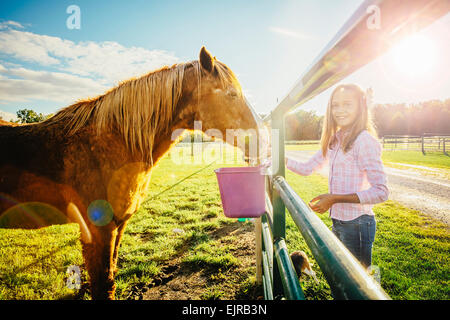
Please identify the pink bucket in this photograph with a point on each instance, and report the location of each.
(242, 190)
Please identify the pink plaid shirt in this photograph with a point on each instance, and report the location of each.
(359, 171)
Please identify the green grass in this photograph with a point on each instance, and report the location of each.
(303, 147)
(33, 263)
(193, 206)
(431, 159)
(410, 249)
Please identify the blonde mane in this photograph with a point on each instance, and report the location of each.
(138, 107)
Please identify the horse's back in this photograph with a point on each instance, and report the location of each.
(30, 166)
(6, 123)
(19, 143)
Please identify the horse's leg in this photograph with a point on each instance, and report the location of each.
(120, 231)
(98, 256)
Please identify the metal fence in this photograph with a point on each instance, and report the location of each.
(425, 143)
(355, 45)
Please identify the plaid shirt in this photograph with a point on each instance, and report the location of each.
(359, 171)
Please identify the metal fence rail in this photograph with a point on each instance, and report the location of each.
(291, 287)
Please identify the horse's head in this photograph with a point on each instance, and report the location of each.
(224, 111)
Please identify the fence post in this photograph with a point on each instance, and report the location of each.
(443, 145)
(258, 245)
(279, 211)
(423, 148)
(192, 145)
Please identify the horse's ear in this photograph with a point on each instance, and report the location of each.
(206, 60)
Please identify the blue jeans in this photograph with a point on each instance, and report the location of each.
(358, 236)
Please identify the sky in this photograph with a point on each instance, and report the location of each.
(46, 65)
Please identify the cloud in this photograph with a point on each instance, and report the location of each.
(80, 68)
(107, 60)
(288, 33)
(22, 85)
(9, 24)
(27, 46)
(6, 116)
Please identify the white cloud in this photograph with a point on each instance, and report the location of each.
(6, 116)
(9, 24)
(25, 85)
(25, 46)
(83, 68)
(288, 33)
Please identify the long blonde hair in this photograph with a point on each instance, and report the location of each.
(362, 122)
(138, 107)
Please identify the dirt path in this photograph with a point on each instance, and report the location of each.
(422, 189)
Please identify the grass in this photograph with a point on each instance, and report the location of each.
(183, 233)
(433, 160)
(410, 249)
(393, 158)
(34, 262)
(184, 226)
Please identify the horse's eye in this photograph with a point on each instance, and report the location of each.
(233, 94)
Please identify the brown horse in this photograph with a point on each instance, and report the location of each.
(91, 162)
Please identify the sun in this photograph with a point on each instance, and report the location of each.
(415, 55)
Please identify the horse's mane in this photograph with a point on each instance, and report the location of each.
(136, 107)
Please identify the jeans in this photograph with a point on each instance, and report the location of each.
(358, 236)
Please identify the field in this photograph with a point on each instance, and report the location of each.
(392, 158)
(411, 250)
(179, 245)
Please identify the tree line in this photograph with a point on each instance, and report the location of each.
(431, 116)
(389, 119)
(29, 116)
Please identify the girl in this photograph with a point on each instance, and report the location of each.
(356, 178)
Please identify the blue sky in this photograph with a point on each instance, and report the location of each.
(268, 44)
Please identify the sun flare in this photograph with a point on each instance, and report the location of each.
(415, 55)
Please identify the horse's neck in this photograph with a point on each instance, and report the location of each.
(165, 140)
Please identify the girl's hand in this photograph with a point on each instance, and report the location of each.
(267, 163)
(322, 203)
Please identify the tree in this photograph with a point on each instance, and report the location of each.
(29, 116)
(398, 125)
(303, 125)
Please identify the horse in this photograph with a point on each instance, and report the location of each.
(91, 162)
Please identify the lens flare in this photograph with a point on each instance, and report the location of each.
(415, 55)
(100, 212)
(31, 215)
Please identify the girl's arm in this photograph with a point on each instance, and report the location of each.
(369, 160)
(306, 168)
